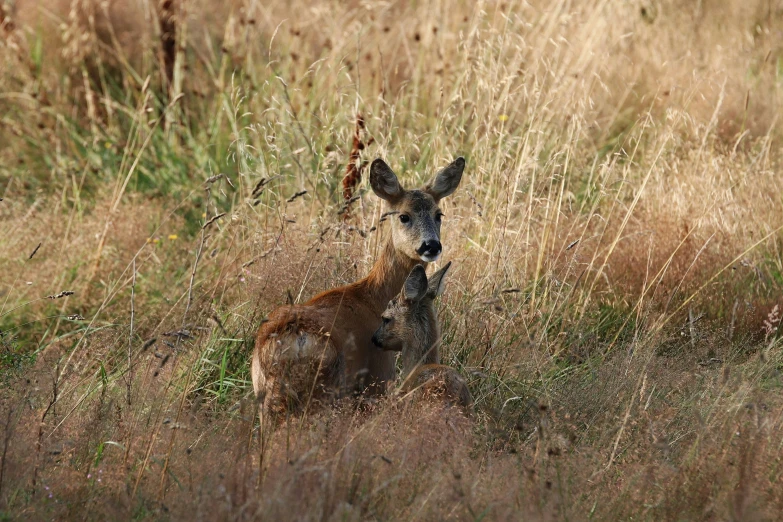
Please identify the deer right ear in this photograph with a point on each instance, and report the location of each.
(415, 286)
(437, 283)
(447, 180)
(384, 182)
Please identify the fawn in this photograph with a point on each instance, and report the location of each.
(410, 325)
(311, 352)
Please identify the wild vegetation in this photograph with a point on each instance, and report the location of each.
(171, 171)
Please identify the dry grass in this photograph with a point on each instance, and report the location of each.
(616, 242)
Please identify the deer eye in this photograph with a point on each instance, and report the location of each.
(405, 218)
(438, 216)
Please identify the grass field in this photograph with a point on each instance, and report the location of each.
(171, 171)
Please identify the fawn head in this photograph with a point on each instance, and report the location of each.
(414, 214)
(409, 321)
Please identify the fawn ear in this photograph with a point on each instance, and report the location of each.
(384, 182)
(415, 286)
(447, 180)
(437, 283)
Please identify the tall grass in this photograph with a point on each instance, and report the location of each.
(616, 244)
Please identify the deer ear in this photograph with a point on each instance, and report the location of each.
(437, 283)
(384, 182)
(447, 180)
(416, 285)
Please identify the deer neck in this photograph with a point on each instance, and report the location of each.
(388, 275)
(424, 347)
(412, 359)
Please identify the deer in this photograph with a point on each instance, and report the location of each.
(306, 355)
(410, 326)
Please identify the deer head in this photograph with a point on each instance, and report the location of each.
(415, 215)
(410, 324)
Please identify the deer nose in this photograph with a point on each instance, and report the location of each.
(430, 248)
(376, 341)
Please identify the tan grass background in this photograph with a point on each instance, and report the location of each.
(616, 244)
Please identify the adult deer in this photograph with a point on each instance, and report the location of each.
(410, 325)
(308, 353)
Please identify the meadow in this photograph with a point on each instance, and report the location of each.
(173, 170)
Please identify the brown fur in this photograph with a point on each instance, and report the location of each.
(441, 383)
(410, 325)
(307, 354)
(319, 341)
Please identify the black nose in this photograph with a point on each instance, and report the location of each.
(431, 247)
(376, 341)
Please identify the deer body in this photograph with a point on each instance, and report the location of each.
(441, 383)
(410, 325)
(307, 354)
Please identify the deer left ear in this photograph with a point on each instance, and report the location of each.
(447, 180)
(384, 182)
(437, 282)
(415, 286)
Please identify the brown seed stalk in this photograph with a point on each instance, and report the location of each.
(35, 251)
(64, 293)
(353, 171)
(168, 37)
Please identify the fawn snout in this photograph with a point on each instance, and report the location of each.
(382, 342)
